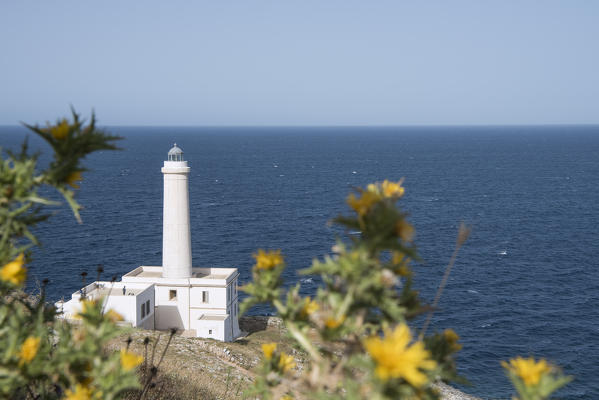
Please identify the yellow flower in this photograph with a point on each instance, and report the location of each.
(404, 230)
(268, 349)
(402, 261)
(268, 260)
(452, 338)
(85, 306)
(364, 203)
(14, 272)
(309, 307)
(73, 178)
(286, 397)
(79, 334)
(373, 188)
(60, 130)
(404, 270)
(29, 350)
(528, 369)
(82, 392)
(130, 360)
(332, 322)
(392, 189)
(396, 358)
(113, 316)
(286, 362)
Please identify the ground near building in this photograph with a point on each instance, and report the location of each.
(196, 368)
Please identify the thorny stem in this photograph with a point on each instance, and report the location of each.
(107, 296)
(173, 331)
(303, 341)
(154, 349)
(462, 236)
(349, 298)
(154, 369)
(33, 396)
(279, 306)
(146, 342)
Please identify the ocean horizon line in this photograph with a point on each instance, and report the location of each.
(339, 126)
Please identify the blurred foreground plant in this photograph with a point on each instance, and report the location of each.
(355, 330)
(42, 357)
(534, 380)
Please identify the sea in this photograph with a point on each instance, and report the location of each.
(525, 283)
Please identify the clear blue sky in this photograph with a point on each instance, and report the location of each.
(301, 62)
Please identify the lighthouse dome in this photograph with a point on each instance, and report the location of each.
(175, 154)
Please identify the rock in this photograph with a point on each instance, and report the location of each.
(450, 393)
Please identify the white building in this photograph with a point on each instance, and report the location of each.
(201, 301)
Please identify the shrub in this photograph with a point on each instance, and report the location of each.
(41, 356)
(356, 330)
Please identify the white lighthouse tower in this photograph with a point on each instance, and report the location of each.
(202, 301)
(176, 236)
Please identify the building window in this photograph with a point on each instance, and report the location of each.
(143, 310)
(210, 331)
(148, 307)
(172, 295)
(205, 297)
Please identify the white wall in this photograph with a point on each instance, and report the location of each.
(128, 306)
(124, 305)
(217, 298)
(218, 328)
(222, 301)
(172, 313)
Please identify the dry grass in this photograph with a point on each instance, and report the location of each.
(195, 368)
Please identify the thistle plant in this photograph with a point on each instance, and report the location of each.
(534, 380)
(41, 356)
(354, 335)
(355, 330)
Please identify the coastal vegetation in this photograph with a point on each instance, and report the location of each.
(355, 338)
(357, 329)
(42, 357)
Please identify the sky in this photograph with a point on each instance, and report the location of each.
(295, 63)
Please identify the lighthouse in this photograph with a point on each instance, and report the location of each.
(200, 301)
(176, 236)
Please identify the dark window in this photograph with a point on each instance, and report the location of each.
(143, 310)
(210, 331)
(148, 307)
(172, 295)
(205, 297)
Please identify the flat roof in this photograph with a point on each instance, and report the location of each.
(104, 289)
(146, 274)
(197, 273)
(115, 292)
(211, 317)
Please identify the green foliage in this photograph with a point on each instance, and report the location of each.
(355, 331)
(367, 290)
(41, 356)
(20, 204)
(534, 380)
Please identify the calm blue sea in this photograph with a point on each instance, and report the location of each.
(527, 282)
